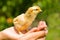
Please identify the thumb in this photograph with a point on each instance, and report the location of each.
(42, 25)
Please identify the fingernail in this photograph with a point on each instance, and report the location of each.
(42, 23)
(46, 32)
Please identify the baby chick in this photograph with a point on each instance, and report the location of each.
(23, 21)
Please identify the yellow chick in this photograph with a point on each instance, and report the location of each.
(23, 21)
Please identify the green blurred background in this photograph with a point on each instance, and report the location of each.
(51, 14)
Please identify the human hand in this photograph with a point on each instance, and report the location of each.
(31, 35)
(38, 33)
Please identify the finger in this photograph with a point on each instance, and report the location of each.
(33, 30)
(41, 38)
(35, 35)
(40, 34)
(46, 31)
(42, 25)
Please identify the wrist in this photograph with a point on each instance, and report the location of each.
(2, 36)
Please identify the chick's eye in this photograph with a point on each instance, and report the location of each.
(35, 9)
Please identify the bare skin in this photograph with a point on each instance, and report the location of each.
(33, 34)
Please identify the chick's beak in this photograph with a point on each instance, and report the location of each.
(40, 11)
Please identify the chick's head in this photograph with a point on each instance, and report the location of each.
(35, 9)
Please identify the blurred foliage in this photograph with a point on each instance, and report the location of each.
(51, 14)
